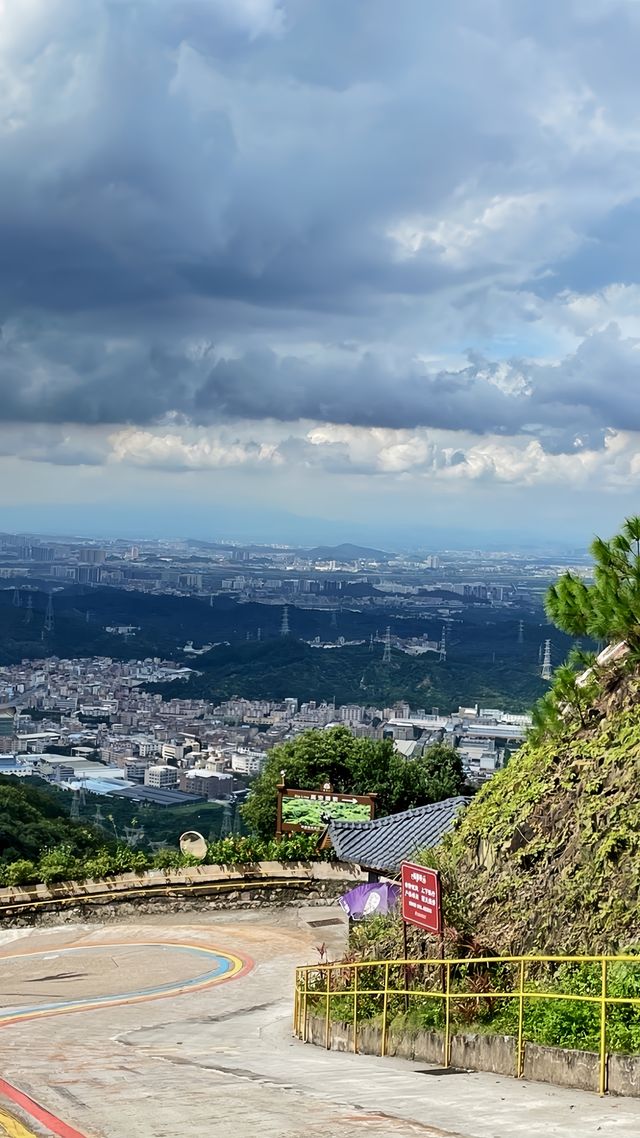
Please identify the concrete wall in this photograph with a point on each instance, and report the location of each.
(494, 1053)
(195, 888)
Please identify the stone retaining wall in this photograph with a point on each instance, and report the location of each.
(194, 889)
(493, 1053)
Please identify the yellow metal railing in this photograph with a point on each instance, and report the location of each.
(319, 985)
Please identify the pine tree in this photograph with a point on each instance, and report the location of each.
(609, 609)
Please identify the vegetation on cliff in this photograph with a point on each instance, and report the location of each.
(548, 853)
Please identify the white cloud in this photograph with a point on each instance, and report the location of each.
(355, 452)
(172, 452)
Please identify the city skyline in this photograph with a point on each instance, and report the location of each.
(297, 271)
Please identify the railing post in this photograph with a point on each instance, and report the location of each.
(603, 1029)
(327, 1018)
(520, 1053)
(355, 1010)
(385, 1003)
(295, 1005)
(305, 1016)
(447, 1018)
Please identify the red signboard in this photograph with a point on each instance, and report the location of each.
(421, 897)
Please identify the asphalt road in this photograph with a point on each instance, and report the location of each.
(176, 1027)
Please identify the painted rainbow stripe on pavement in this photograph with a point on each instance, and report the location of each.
(226, 967)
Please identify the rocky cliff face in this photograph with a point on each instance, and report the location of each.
(548, 853)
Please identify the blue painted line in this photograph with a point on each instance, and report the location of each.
(223, 965)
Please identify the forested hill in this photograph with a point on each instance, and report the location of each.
(486, 662)
(353, 674)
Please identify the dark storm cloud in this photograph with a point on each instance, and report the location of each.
(166, 164)
(566, 405)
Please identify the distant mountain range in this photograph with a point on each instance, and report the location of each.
(347, 552)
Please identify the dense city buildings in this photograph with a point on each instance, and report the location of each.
(91, 723)
(321, 577)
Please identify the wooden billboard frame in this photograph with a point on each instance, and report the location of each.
(324, 794)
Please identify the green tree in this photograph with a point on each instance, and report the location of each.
(608, 609)
(352, 766)
(570, 698)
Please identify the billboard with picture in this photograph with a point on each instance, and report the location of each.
(308, 811)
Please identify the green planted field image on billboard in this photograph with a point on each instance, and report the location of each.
(308, 812)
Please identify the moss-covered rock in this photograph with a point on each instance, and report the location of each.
(549, 851)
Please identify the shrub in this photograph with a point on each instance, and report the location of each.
(21, 872)
(59, 864)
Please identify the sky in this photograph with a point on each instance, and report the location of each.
(300, 270)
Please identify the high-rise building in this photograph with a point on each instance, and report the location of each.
(161, 778)
(42, 553)
(7, 729)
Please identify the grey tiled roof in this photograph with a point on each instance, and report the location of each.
(385, 842)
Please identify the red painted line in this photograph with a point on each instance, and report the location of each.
(34, 1110)
(54, 1124)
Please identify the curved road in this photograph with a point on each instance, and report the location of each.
(182, 1026)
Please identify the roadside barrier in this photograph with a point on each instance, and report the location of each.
(201, 880)
(373, 989)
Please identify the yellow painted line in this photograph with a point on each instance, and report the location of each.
(238, 966)
(226, 886)
(12, 1126)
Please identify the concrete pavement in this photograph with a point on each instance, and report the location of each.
(220, 1060)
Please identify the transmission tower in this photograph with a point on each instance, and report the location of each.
(75, 806)
(29, 613)
(237, 821)
(443, 645)
(334, 619)
(546, 663)
(521, 632)
(225, 828)
(259, 634)
(284, 627)
(386, 655)
(48, 616)
(133, 835)
(16, 598)
(371, 643)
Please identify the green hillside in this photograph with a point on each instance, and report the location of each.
(280, 668)
(549, 851)
(548, 854)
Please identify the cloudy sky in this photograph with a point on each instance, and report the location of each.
(300, 269)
